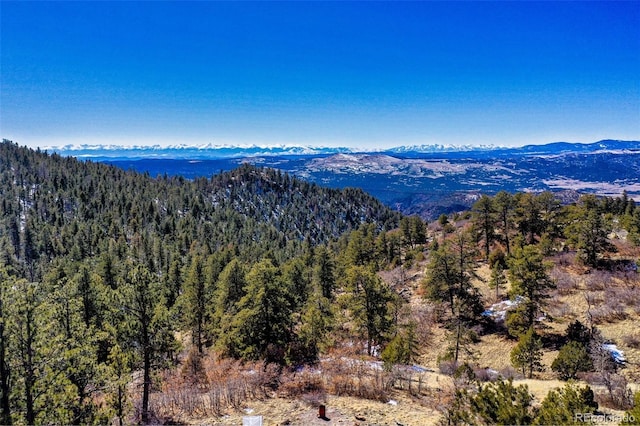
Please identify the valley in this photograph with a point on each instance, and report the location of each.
(426, 180)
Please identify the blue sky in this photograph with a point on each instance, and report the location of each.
(360, 74)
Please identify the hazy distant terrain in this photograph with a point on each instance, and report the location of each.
(427, 180)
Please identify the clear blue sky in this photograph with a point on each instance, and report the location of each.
(330, 73)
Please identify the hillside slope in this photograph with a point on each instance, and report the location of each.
(52, 205)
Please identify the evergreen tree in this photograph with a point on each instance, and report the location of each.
(526, 355)
(587, 230)
(497, 281)
(40, 388)
(87, 293)
(147, 321)
(403, 348)
(324, 272)
(118, 367)
(229, 290)
(414, 231)
(529, 278)
(550, 214)
(484, 218)
(577, 332)
(572, 359)
(505, 206)
(77, 340)
(196, 299)
(368, 298)
(296, 282)
(6, 283)
(361, 245)
(448, 281)
(528, 216)
(173, 280)
(561, 406)
(634, 227)
(262, 328)
(502, 403)
(25, 328)
(316, 323)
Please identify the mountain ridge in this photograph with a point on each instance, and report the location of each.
(214, 151)
(412, 180)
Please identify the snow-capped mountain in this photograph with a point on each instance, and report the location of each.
(215, 151)
(183, 151)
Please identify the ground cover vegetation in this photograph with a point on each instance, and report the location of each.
(131, 298)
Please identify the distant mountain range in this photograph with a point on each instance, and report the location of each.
(199, 152)
(211, 151)
(427, 179)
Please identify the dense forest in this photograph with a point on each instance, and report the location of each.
(111, 280)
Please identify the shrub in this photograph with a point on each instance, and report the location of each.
(632, 340)
(572, 359)
(193, 368)
(618, 395)
(494, 403)
(632, 417)
(497, 257)
(447, 367)
(306, 382)
(359, 378)
(560, 406)
(502, 403)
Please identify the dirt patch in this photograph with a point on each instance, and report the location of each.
(339, 411)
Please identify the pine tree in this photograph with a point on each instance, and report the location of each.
(577, 332)
(324, 272)
(118, 367)
(497, 281)
(316, 323)
(195, 302)
(572, 359)
(527, 354)
(43, 393)
(502, 403)
(414, 231)
(587, 231)
(484, 217)
(403, 348)
(448, 281)
(561, 406)
(145, 308)
(368, 298)
(297, 282)
(529, 278)
(230, 288)
(505, 206)
(25, 329)
(6, 283)
(69, 295)
(262, 328)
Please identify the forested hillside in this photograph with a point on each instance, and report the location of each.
(130, 298)
(54, 206)
(101, 267)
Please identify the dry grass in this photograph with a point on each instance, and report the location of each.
(339, 411)
(355, 390)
